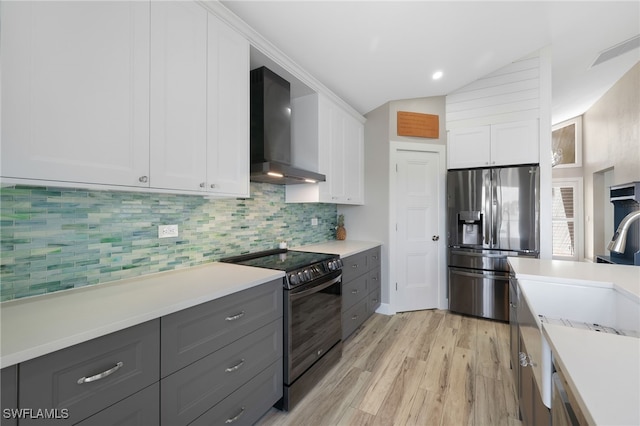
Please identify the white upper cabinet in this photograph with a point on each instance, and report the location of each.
(327, 139)
(75, 91)
(469, 147)
(494, 145)
(515, 143)
(228, 111)
(178, 96)
(124, 94)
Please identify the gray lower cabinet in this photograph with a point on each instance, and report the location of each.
(191, 391)
(211, 351)
(360, 289)
(247, 404)
(193, 333)
(140, 409)
(220, 360)
(9, 395)
(91, 376)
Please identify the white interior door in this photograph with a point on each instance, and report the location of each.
(418, 236)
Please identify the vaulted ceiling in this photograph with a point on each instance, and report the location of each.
(372, 52)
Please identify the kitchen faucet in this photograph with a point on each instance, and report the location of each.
(619, 240)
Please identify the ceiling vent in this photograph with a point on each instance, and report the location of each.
(617, 50)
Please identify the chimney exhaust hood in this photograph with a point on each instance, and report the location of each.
(271, 132)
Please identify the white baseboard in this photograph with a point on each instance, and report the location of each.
(385, 309)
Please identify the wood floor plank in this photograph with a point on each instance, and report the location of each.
(490, 403)
(488, 350)
(460, 395)
(439, 362)
(355, 417)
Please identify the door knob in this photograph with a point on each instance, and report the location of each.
(435, 238)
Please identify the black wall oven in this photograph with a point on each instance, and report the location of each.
(312, 315)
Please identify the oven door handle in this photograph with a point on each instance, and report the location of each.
(315, 289)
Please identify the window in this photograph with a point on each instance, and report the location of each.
(567, 218)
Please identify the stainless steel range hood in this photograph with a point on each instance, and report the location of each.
(271, 132)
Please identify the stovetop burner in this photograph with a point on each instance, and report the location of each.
(301, 267)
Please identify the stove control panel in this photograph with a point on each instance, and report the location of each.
(312, 272)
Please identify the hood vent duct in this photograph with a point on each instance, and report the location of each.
(271, 132)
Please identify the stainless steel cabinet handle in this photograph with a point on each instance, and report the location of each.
(102, 375)
(234, 317)
(213, 185)
(525, 360)
(235, 367)
(354, 291)
(233, 419)
(202, 184)
(374, 278)
(143, 179)
(354, 266)
(355, 317)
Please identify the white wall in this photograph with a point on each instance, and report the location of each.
(611, 141)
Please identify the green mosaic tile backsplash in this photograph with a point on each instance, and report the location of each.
(56, 238)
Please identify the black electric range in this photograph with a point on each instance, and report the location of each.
(301, 267)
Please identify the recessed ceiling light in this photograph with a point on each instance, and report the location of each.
(437, 75)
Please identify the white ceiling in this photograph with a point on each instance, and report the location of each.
(372, 52)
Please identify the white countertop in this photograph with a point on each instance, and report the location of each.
(38, 325)
(602, 369)
(624, 277)
(343, 248)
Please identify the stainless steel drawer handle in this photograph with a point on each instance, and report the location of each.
(233, 419)
(354, 291)
(234, 317)
(354, 266)
(374, 278)
(235, 367)
(375, 300)
(102, 375)
(355, 317)
(525, 360)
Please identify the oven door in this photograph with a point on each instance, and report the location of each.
(312, 323)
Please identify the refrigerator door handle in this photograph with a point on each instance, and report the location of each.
(495, 206)
(484, 275)
(493, 255)
(486, 220)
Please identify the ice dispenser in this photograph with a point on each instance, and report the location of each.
(470, 227)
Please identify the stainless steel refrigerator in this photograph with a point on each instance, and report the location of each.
(492, 213)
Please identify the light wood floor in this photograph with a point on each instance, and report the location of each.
(416, 368)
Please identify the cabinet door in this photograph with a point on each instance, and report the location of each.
(75, 91)
(9, 394)
(178, 95)
(338, 159)
(354, 161)
(140, 409)
(515, 143)
(228, 111)
(93, 375)
(469, 147)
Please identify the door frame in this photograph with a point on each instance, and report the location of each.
(395, 147)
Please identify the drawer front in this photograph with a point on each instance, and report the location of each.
(354, 266)
(91, 376)
(140, 409)
(196, 332)
(373, 301)
(9, 393)
(250, 402)
(373, 258)
(354, 291)
(353, 318)
(190, 392)
(374, 279)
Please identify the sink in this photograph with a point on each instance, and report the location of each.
(603, 306)
(599, 307)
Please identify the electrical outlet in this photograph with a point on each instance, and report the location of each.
(167, 231)
(314, 221)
